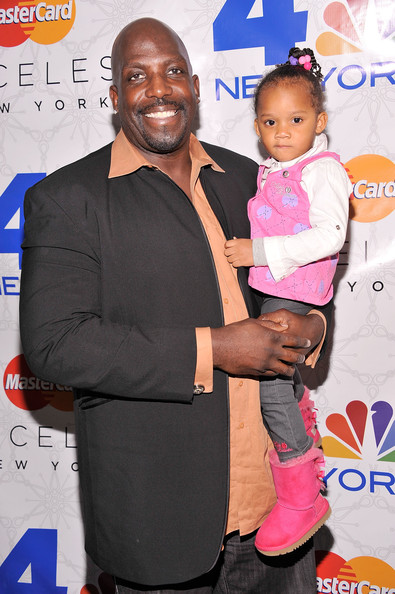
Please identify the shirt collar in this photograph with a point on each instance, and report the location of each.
(320, 144)
(126, 158)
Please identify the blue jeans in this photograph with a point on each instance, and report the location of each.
(242, 570)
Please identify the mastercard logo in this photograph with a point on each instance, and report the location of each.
(373, 179)
(361, 575)
(28, 392)
(42, 22)
(351, 29)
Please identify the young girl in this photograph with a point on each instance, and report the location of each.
(298, 221)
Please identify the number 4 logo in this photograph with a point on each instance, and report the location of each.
(37, 551)
(11, 213)
(277, 29)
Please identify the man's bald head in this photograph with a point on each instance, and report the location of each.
(144, 29)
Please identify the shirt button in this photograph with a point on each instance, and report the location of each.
(226, 300)
(240, 384)
(241, 426)
(285, 173)
(288, 189)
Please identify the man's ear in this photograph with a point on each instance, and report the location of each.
(322, 120)
(114, 97)
(196, 87)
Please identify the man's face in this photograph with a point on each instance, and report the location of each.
(154, 91)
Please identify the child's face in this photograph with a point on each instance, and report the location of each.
(286, 121)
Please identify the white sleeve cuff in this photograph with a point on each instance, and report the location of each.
(258, 251)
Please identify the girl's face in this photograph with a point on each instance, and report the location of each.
(286, 121)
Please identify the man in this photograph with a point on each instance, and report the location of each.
(127, 296)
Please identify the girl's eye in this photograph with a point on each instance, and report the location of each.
(270, 122)
(297, 120)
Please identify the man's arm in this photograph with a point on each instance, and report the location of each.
(65, 336)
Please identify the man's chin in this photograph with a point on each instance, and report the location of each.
(165, 144)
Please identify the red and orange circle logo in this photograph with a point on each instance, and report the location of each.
(373, 179)
(42, 22)
(28, 392)
(361, 575)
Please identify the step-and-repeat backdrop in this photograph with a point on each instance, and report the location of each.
(54, 108)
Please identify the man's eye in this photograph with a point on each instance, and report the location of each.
(175, 70)
(135, 76)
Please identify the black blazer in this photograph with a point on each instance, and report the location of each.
(116, 275)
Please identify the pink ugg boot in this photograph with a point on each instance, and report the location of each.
(306, 407)
(300, 509)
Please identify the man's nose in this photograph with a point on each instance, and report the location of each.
(158, 86)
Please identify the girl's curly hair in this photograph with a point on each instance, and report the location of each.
(300, 66)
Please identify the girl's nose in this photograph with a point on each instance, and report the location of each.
(282, 131)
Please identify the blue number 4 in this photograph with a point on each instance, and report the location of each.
(277, 30)
(38, 549)
(11, 213)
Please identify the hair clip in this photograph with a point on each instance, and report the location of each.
(304, 61)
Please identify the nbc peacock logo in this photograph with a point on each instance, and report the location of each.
(357, 26)
(362, 433)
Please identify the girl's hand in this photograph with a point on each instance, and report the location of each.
(239, 252)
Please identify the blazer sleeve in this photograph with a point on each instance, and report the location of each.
(64, 336)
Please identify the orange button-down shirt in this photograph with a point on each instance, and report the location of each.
(251, 494)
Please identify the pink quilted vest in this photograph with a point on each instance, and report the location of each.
(282, 208)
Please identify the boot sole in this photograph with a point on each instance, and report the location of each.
(301, 541)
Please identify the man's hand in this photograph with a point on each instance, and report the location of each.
(311, 326)
(255, 347)
(239, 252)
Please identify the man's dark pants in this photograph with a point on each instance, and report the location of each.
(242, 570)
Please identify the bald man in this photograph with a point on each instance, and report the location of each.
(126, 296)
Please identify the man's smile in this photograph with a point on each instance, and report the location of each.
(160, 115)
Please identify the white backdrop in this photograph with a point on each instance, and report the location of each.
(54, 108)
